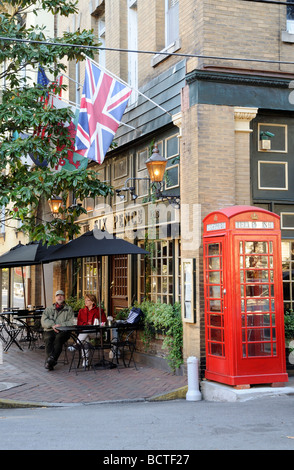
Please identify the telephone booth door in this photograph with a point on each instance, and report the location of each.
(243, 293)
(258, 294)
(215, 307)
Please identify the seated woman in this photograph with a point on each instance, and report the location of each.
(87, 316)
(90, 312)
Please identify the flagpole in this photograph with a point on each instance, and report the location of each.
(125, 83)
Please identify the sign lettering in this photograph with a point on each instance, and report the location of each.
(219, 226)
(254, 224)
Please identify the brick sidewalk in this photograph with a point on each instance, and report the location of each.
(24, 378)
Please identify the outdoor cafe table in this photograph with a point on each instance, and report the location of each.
(75, 330)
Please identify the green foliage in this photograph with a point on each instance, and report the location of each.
(47, 138)
(167, 319)
(289, 324)
(76, 303)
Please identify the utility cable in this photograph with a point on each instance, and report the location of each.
(179, 54)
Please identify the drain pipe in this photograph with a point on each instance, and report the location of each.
(193, 393)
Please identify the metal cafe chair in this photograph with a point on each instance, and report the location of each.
(97, 357)
(9, 333)
(78, 352)
(123, 346)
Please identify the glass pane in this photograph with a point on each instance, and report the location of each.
(18, 287)
(5, 284)
(259, 349)
(172, 177)
(172, 146)
(257, 290)
(214, 277)
(256, 262)
(258, 334)
(256, 276)
(216, 320)
(286, 290)
(255, 247)
(258, 320)
(216, 334)
(213, 249)
(216, 349)
(286, 270)
(214, 291)
(215, 305)
(257, 305)
(214, 263)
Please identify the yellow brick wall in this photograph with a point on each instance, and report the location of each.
(215, 173)
(218, 28)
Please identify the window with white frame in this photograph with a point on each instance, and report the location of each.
(132, 46)
(171, 21)
(170, 37)
(288, 274)
(290, 17)
(172, 167)
(161, 280)
(101, 36)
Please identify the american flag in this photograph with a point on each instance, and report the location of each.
(103, 103)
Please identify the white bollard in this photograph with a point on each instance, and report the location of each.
(193, 393)
(1, 353)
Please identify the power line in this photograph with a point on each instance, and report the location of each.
(179, 54)
(276, 2)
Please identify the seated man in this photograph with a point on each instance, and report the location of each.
(60, 314)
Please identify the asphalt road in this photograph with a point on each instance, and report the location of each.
(170, 426)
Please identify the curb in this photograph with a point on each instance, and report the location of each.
(173, 395)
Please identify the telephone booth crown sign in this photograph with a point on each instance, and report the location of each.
(244, 315)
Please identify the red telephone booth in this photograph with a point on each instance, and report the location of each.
(244, 314)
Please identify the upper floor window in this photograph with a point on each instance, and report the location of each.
(290, 18)
(171, 21)
(101, 35)
(133, 46)
(170, 27)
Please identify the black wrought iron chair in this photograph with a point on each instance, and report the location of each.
(77, 350)
(96, 352)
(9, 333)
(123, 346)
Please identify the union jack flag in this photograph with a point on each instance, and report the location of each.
(103, 103)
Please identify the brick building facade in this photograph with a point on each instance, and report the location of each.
(230, 84)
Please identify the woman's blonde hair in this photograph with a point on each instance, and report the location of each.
(91, 297)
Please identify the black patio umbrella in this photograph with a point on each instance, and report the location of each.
(94, 243)
(27, 255)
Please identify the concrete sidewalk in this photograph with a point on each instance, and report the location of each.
(24, 381)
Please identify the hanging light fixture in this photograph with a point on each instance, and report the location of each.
(55, 203)
(156, 166)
